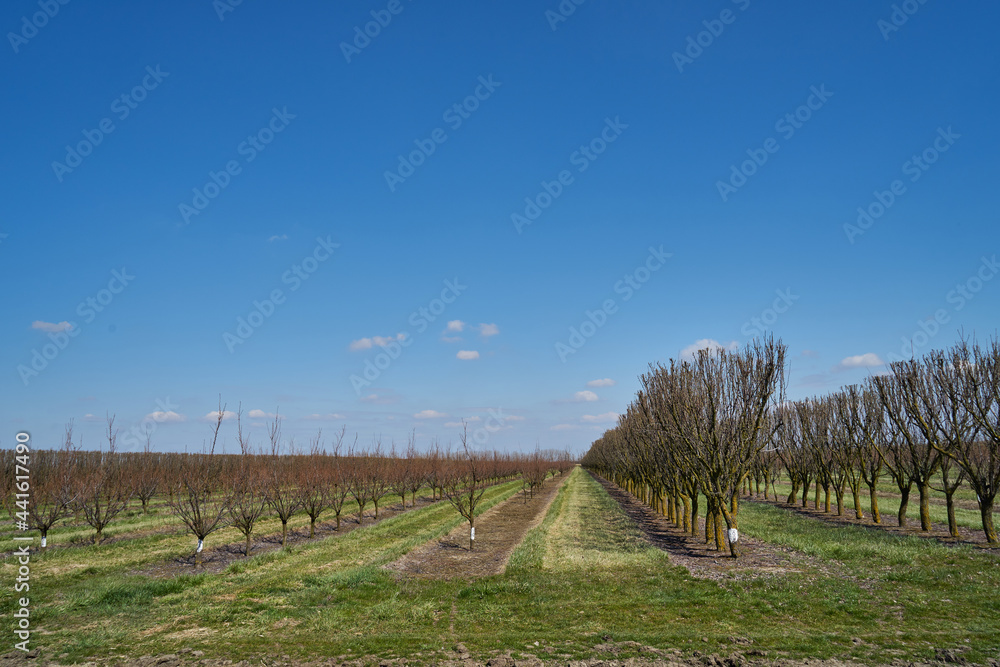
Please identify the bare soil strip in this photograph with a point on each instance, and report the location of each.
(217, 559)
(498, 532)
(702, 560)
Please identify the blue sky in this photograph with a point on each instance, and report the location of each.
(673, 169)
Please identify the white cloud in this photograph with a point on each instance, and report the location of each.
(327, 417)
(860, 361)
(369, 343)
(50, 327)
(162, 417)
(91, 418)
(606, 382)
(385, 398)
(584, 396)
(455, 325)
(429, 414)
(487, 330)
(276, 237)
(260, 414)
(466, 355)
(564, 427)
(601, 418)
(689, 352)
(214, 415)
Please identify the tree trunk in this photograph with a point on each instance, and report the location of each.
(472, 532)
(720, 531)
(709, 523)
(925, 505)
(826, 498)
(816, 496)
(952, 524)
(687, 513)
(312, 527)
(904, 502)
(873, 496)
(284, 532)
(734, 545)
(248, 546)
(840, 500)
(98, 535)
(694, 513)
(986, 512)
(793, 496)
(734, 505)
(856, 493)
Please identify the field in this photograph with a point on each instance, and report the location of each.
(584, 583)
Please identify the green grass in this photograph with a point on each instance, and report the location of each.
(582, 574)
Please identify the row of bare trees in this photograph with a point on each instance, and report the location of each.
(209, 491)
(716, 426)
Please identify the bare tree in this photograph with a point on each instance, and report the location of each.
(249, 500)
(466, 486)
(200, 499)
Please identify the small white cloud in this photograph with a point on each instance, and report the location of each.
(51, 327)
(466, 355)
(330, 416)
(487, 330)
(91, 418)
(214, 415)
(162, 417)
(606, 382)
(276, 237)
(601, 418)
(689, 352)
(455, 326)
(369, 343)
(860, 361)
(564, 427)
(584, 396)
(429, 414)
(260, 414)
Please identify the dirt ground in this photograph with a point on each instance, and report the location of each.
(609, 655)
(701, 559)
(498, 532)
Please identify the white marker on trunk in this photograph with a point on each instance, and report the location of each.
(43, 542)
(472, 533)
(734, 535)
(200, 544)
